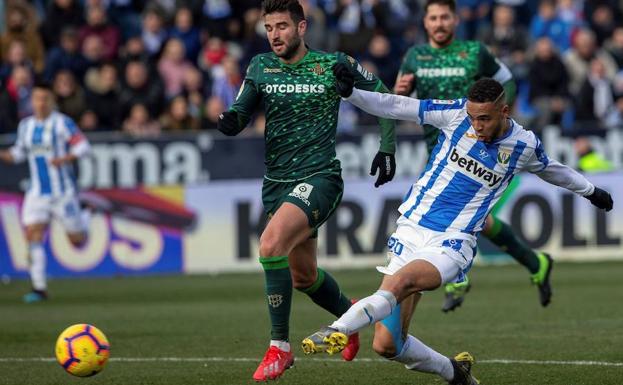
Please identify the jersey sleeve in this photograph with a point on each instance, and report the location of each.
(556, 173)
(491, 67)
(249, 95)
(367, 81)
(18, 150)
(438, 113)
(78, 143)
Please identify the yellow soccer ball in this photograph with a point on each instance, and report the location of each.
(82, 350)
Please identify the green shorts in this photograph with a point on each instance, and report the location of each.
(318, 196)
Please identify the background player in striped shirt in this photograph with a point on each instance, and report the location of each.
(50, 141)
(479, 151)
(445, 68)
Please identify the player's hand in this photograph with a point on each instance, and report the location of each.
(386, 165)
(601, 199)
(6, 156)
(404, 85)
(228, 123)
(57, 162)
(344, 80)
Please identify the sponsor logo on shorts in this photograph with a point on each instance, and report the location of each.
(302, 191)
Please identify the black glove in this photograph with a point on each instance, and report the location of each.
(386, 164)
(601, 199)
(344, 79)
(228, 123)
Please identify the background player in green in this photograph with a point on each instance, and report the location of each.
(445, 68)
(303, 184)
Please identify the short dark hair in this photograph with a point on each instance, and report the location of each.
(447, 3)
(485, 90)
(42, 83)
(292, 6)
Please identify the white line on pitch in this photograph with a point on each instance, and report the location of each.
(245, 359)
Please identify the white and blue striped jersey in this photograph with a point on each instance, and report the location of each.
(464, 177)
(41, 141)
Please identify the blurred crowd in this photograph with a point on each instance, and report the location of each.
(151, 66)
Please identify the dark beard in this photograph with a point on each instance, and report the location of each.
(445, 42)
(290, 49)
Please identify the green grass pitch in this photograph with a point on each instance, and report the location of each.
(214, 330)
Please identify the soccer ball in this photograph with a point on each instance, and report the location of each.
(82, 350)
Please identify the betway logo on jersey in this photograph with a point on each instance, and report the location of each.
(294, 88)
(475, 169)
(440, 72)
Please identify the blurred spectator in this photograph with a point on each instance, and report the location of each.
(213, 53)
(356, 20)
(154, 34)
(548, 24)
(595, 98)
(103, 96)
(187, 33)
(588, 159)
(133, 50)
(15, 98)
(578, 58)
(61, 14)
(226, 81)
(614, 119)
(473, 15)
(195, 91)
(614, 46)
(125, 15)
(70, 98)
(139, 122)
(172, 66)
(386, 63)
(316, 34)
(548, 80)
(507, 40)
(97, 25)
(93, 50)
(18, 28)
(66, 56)
(178, 117)
(255, 41)
(602, 23)
(216, 16)
(15, 56)
(213, 108)
(139, 87)
(88, 121)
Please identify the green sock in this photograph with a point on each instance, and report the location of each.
(502, 235)
(326, 293)
(278, 294)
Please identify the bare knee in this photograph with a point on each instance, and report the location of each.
(303, 279)
(271, 246)
(383, 345)
(34, 234)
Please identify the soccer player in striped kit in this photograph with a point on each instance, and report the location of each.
(478, 152)
(50, 141)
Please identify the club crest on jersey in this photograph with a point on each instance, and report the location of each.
(504, 157)
(318, 69)
(463, 55)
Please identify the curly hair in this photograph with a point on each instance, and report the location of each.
(485, 90)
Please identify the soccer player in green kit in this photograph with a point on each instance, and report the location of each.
(445, 68)
(303, 185)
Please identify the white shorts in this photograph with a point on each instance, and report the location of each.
(452, 253)
(41, 209)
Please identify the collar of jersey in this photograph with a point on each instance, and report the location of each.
(507, 134)
(449, 46)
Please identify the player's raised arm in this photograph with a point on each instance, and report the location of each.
(384, 161)
(563, 176)
(233, 121)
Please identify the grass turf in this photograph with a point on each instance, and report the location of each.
(211, 317)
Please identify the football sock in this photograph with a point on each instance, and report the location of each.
(279, 295)
(502, 235)
(366, 312)
(417, 356)
(37, 266)
(326, 293)
(282, 345)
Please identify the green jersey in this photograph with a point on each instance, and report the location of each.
(448, 72)
(301, 106)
